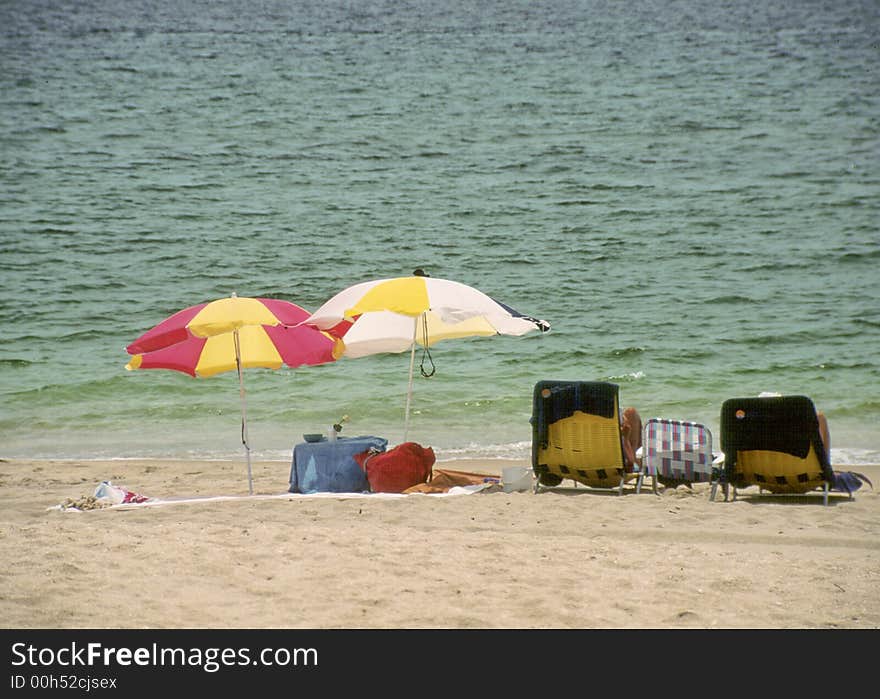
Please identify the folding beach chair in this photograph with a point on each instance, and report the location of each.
(676, 451)
(576, 435)
(774, 443)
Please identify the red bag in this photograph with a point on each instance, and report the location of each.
(397, 469)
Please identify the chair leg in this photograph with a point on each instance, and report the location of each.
(825, 493)
(725, 488)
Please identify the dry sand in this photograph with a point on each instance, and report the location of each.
(568, 559)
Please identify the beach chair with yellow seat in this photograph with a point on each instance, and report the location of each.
(576, 435)
(773, 442)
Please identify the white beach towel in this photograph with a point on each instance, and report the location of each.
(96, 503)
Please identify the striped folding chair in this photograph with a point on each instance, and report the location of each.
(676, 451)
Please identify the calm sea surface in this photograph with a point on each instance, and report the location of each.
(688, 191)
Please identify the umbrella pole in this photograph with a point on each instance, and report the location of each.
(409, 389)
(244, 433)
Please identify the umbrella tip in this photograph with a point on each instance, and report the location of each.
(419, 272)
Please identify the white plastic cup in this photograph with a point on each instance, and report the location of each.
(331, 434)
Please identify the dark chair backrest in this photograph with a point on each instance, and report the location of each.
(784, 424)
(556, 400)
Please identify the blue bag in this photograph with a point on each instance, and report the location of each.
(330, 467)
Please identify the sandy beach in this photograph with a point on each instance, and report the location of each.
(492, 560)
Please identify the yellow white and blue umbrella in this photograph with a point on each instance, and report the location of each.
(402, 313)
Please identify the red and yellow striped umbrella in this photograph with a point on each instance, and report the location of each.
(201, 340)
(234, 333)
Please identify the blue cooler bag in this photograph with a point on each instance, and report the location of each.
(329, 467)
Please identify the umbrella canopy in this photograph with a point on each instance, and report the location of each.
(399, 314)
(391, 315)
(233, 334)
(217, 317)
(259, 346)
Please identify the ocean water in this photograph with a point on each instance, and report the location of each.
(687, 191)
